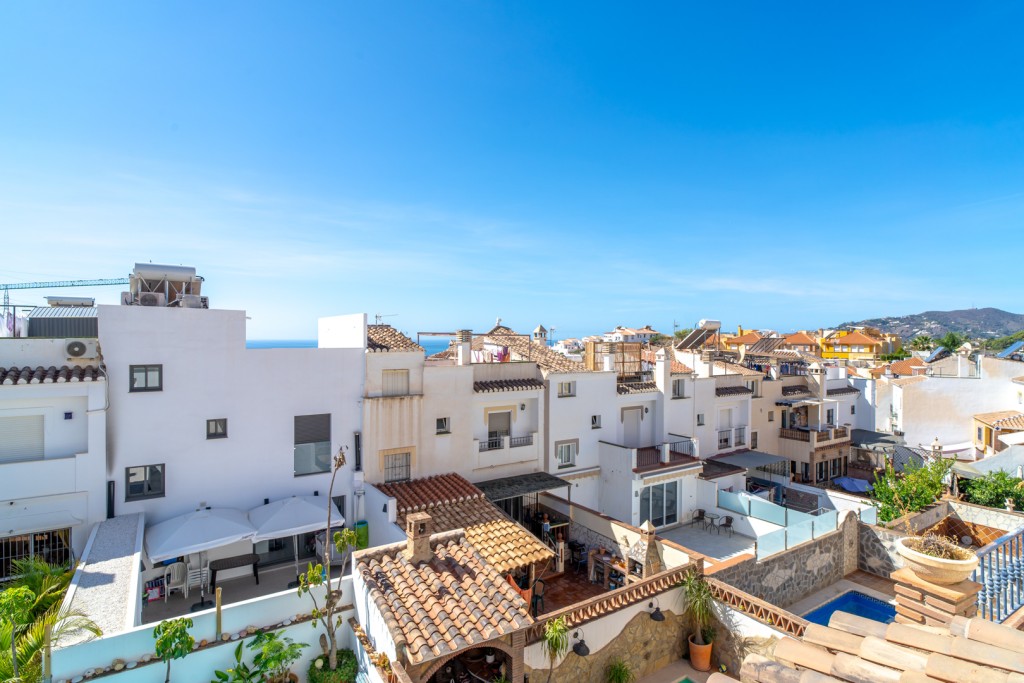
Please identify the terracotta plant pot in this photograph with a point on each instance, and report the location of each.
(935, 569)
(700, 656)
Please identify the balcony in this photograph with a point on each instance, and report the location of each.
(735, 437)
(498, 443)
(817, 437)
(644, 459)
(506, 450)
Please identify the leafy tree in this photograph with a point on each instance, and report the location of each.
(173, 641)
(276, 654)
(922, 342)
(918, 487)
(680, 334)
(699, 606)
(555, 642)
(15, 608)
(320, 575)
(952, 341)
(993, 490)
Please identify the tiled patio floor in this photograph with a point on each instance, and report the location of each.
(568, 589)
(719, 546)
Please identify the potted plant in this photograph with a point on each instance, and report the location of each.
(239, 673)
(345, 672)
(275, 655)
(618, 671)
(173, 641)
(699, 602)
(936, 559)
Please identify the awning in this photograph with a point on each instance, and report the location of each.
(293, 516)
(510, 487)
(1010, 461)
(1012, 439)
(197, 531)
(750, 459)
(44, 521)
(852, 484)
(871, 440)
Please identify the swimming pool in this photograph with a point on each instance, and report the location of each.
(856, 603)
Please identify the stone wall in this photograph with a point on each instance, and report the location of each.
(877, 550)
(644, 644)
(592, 539)
(990, 517)
(793, 575)
(738, 635)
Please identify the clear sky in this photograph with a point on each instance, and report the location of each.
(580, 165)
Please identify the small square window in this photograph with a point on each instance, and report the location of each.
(146, 378)
(700, 419)
(68, 416)
(566, 389)
(443, 425)
(771, 416)
(595, 421)
(853, 410)
(678, 388)
(217, 428)
(146, 481)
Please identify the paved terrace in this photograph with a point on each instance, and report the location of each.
(709, 542)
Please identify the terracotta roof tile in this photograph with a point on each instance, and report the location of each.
(386, 338)
(523, 349)
(1004, 419)
(795, 390)
(439, 607)
(801, 339)
(853, 338)
(50, 375)
(748, 337)
(732, 391)
(454, 503)
(492, 385)
(843, 391)
(635, 387)
(908, 366)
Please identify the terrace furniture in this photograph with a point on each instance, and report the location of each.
(726, 524)
(175, 578)
(698, 516)
(198, 570)
(712, 518)
(537, 601)
(578, 557)
(231, 563)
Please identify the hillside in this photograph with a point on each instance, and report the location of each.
(972, 322)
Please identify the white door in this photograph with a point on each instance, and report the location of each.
(631, 428)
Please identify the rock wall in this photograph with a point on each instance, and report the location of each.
(877, 550)
(793, 575)
(645, 645)
(990, 517)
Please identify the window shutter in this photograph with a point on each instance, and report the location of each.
(312, 428)
(395, 382)
(22, 438)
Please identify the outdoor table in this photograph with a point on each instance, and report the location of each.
(231, 563)
(711, 517)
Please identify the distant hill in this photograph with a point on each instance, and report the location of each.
(973, 322)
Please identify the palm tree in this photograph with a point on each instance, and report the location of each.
(46, 621)
(555, 642)
(952, 341)
(922, 342)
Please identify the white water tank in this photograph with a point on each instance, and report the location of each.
(710, 325)
(155, 271)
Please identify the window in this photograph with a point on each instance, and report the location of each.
(357, 448)
(837, 467)
(753, 440)
(820, 469)
(22, 438)
(312, 444)
(595, 421)
(752, 385)
(658, 504)
(980, 434)
(146, 377)
(853, 410)
(217, 428)
(339, 502)
(145, 481)
(771, 416)
(395, 383)
(398, 467)
(443, 425)
(566, 389)
(51, 546)
(700, 419)
(565, 453)
(679, 388)
(830, 416)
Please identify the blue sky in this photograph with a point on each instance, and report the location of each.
(579, 165)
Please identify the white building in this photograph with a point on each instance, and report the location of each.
(52, 452)
(629, 334)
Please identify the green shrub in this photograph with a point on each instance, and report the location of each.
(993, 489)
(345, 673)
(918, 487)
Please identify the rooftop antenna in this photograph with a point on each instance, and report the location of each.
(378, 317)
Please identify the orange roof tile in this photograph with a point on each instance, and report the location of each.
(854, 338)
(800, 339)
(386, 338)
(1003, 419)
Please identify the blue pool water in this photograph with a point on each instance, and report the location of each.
(854, 603)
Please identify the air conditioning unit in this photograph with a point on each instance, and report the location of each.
(191, 301)
(152, 299)
(81, 349)
(127, 299)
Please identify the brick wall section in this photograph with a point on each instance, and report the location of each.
(793, 575)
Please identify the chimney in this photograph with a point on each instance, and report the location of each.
(652, 560)
(418, 526)
(464, 347)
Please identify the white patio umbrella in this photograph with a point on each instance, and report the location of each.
(291, 517)
(197, 531)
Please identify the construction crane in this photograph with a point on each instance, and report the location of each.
(59, 283)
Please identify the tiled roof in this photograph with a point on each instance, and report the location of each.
(854, 648)
(492, 385)
(907, 366)
(843, 391)
(636, 387)
(854, 338)
(734, 369)
(50, 375)
(748, 337)
(800, 339)
(651, 356)
(387, 338)
(732, 391)
(450, 603)
(1004, 419)
(795, 390)
(525, 350)
(454, 503)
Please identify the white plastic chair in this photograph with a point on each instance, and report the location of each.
(175, 578)
(198, 570)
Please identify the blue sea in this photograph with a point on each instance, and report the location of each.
(431, 345)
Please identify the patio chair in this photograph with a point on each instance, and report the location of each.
(726, 524)
(537, 601)
(198, 570)
(579, 556)
(176, 579)
(698, 516)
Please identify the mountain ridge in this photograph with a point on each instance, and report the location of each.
(972, 322)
